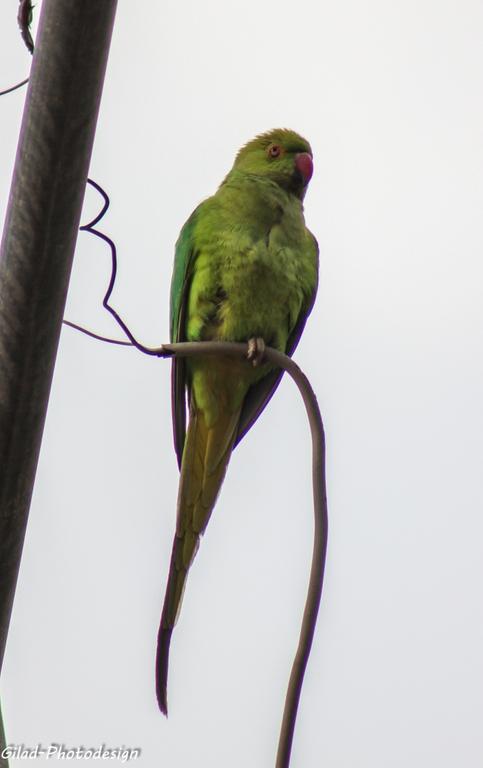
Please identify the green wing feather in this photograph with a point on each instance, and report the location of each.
(183, 261)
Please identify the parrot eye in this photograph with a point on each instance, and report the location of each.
(274, 150)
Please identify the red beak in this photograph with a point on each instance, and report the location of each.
(305, 166)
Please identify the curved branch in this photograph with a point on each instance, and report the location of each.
(192, 349)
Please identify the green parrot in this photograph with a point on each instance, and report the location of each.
(246, 270)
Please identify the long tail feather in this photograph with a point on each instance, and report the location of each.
(205, 459)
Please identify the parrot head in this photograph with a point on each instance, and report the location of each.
(280, 155)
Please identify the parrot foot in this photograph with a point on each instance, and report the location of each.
(256, 350)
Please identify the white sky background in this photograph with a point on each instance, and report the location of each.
(390, 97)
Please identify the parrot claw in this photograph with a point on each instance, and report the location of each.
(256, 350)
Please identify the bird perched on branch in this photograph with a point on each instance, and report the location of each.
(246, 269)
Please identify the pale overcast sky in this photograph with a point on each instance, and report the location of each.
(390, 96)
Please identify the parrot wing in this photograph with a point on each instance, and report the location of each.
(183, 261)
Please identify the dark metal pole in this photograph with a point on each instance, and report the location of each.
(40, 233)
